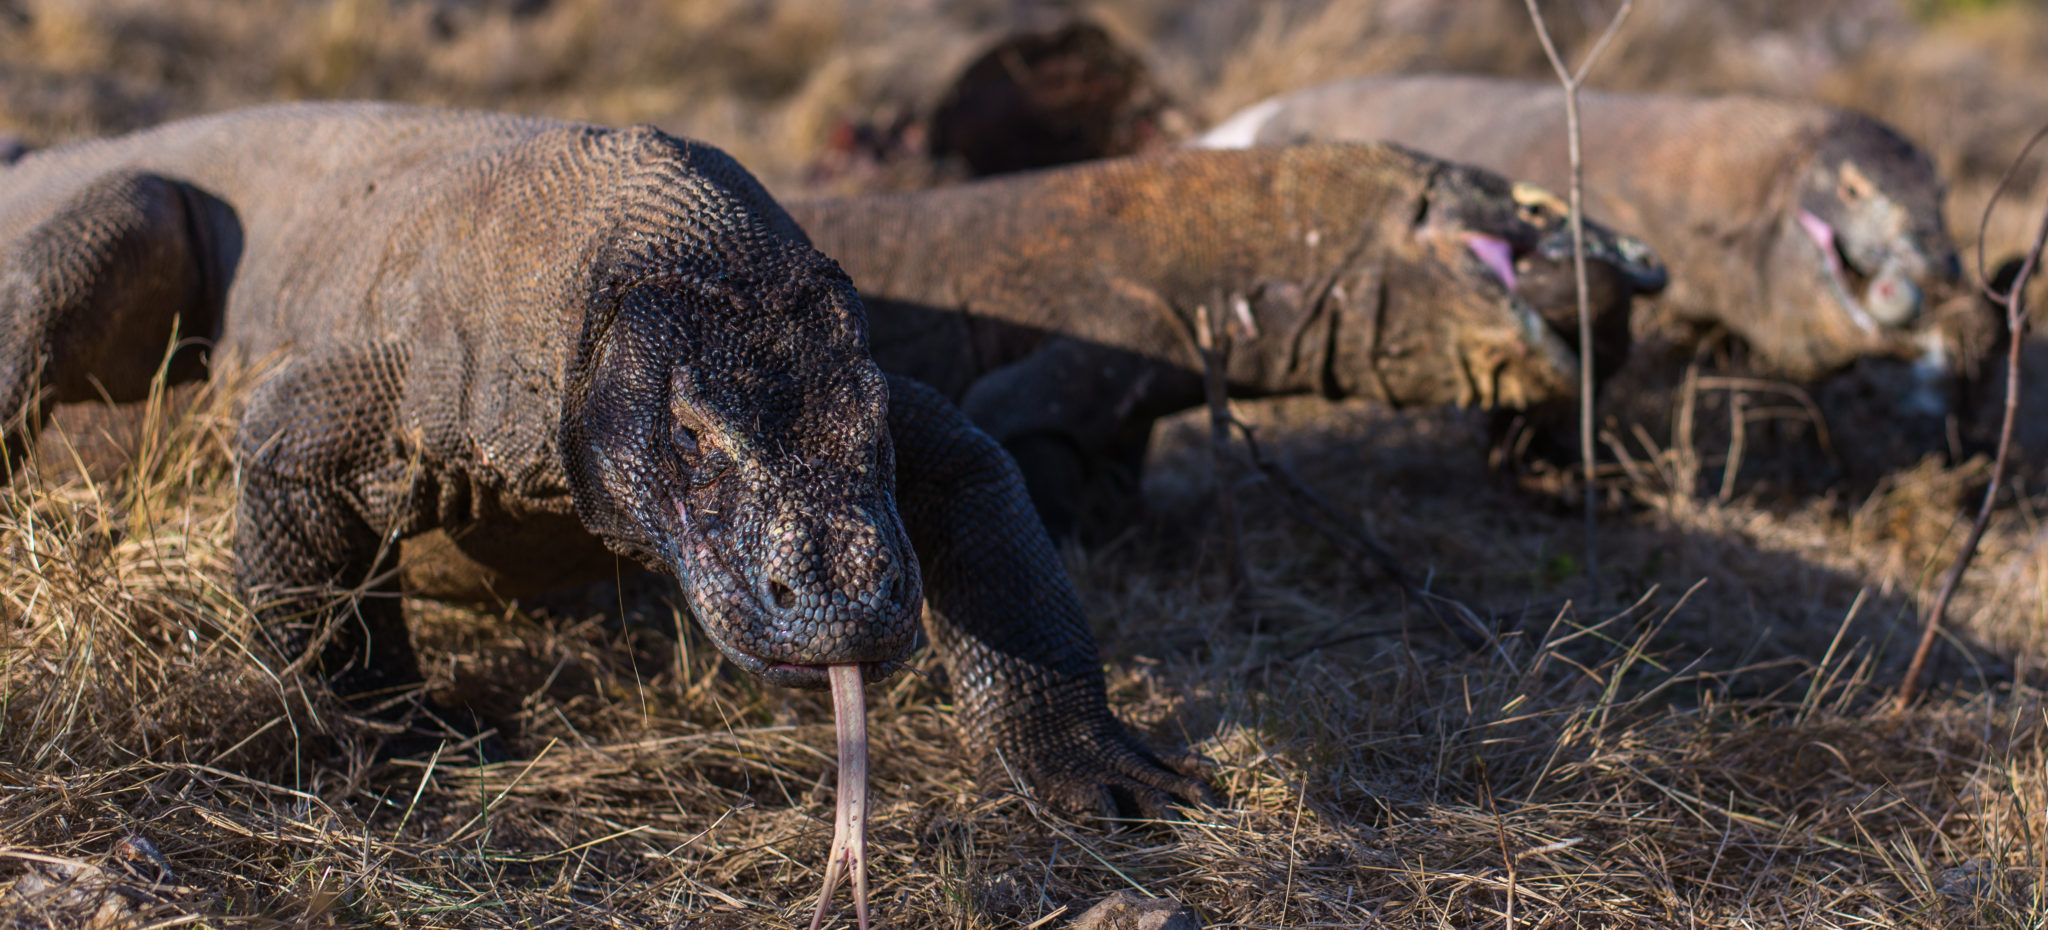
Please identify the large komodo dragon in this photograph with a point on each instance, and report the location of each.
(1062, 308)
(1813, 233)
(541, 341)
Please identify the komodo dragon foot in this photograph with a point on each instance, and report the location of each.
(1017, 645)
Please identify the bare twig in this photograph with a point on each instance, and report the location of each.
(1571, 80)
(1212, 339)
(1792, 392)
(1327, 519)
(1738, 429)
(2014, 300)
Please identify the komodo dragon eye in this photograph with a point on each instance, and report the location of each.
(1854, 187)
(685, 425)
(1536, 206)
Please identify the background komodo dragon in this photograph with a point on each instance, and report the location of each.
(1061, 308)
(543, 340)
(1814, 233)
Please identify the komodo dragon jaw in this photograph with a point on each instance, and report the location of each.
(770, 496)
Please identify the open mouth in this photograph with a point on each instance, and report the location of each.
(1496, 254)
(1540, 347)
(1839, 271)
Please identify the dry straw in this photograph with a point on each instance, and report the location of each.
(1617, 769)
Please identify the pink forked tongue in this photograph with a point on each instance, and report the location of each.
(1497, 255)
(850, 826)
(1822, 233)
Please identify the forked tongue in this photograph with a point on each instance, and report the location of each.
(850, 826)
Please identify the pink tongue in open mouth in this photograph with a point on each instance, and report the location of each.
(850, 825)
(1823, 235)
(1496, 253)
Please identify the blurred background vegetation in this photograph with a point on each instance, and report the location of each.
(771, 79)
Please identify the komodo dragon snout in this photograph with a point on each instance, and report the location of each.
(772, 494)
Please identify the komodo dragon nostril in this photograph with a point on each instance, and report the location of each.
(782, 595)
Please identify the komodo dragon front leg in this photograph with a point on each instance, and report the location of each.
(1009, 625)
(1077, 417)
(91, 297)
(328, 486)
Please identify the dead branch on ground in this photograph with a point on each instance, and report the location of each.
(1329, 520)
(2014, 301)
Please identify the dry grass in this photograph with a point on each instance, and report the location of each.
(1624, 771)
(1700, 748)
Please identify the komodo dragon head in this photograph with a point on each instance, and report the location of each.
(722, 422)
(1863, 267)
(1869, 204)
(1495, 279)
(1619, 268)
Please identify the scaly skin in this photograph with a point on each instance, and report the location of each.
(513, 347)
(1062, 308)
(1814, 233)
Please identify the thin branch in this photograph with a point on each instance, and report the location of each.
(2014, 301)
(1327, 519)
(1212, 340)
(1571, 79)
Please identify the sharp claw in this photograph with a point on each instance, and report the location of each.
(850, 824)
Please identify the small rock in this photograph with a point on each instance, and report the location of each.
(1129, 910)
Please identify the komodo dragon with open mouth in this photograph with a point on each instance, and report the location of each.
(1063, 308)
(1814, 233)
(542, 341)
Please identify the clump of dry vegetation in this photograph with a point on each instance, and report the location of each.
(1705, 746)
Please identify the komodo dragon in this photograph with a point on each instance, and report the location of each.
(1062, 308)
(1812, 232)
(545, 340)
